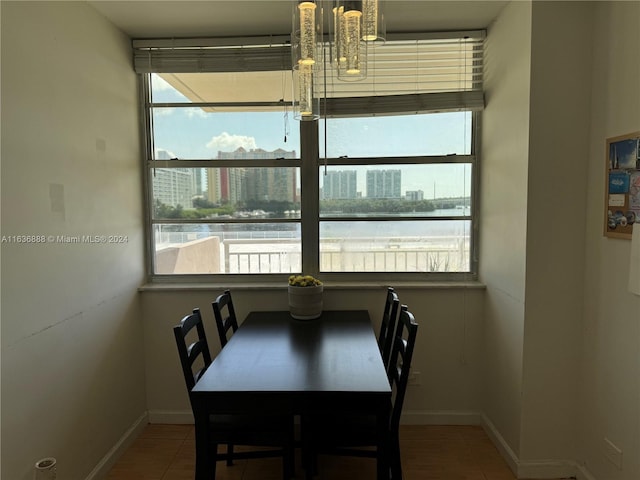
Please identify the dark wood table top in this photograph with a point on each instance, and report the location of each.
(276, 364)
(272, 352)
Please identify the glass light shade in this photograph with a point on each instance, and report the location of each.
(369, 20)
(373, 24)
(352, 66)
(307, 106)
(339, 34)
(352, 44)
(306, 58)
(307, 13)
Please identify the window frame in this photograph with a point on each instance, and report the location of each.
(421, 277)
(309, 164)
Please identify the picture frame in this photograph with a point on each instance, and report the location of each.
(622, 185)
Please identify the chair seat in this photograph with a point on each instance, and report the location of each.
(348, 433)
(274, 433)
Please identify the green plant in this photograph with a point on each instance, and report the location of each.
(303, 281)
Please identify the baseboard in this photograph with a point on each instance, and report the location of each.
(547, 469)
(503, 447)
(583, 473)
(101, 470)
(534, 470)
(444, 417)
(171, 417)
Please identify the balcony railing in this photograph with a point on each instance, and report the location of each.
(440, 254)
(283, 255)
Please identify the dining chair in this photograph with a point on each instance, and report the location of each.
(388, 325)
(351, 434)
(225, 316)
(248, 430)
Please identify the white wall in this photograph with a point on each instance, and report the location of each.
(553, 368)
(610, 393)
(447, 354)
(504, 177)
(72, 366)
(562, 334)
(558, 150)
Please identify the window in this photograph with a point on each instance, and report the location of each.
(383, 184)
(406, 209)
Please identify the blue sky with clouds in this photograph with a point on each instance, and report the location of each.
(191, 133)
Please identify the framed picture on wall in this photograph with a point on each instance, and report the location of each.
(622, 185)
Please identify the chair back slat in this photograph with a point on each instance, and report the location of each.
(225, 316)
(196, 351)
(252, 430)
(198, 374)
(400, 362)
(388, 324)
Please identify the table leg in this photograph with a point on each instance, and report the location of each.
(383, 461)
(308, 454)
(205, 460)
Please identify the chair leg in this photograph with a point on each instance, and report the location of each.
(311, 464)
(288, 464)
(212, 463)
(309, 472)
(229, 454)
(396, 464)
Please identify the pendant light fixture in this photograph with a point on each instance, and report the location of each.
(338, 34)
(356, 23)
(306, 48)
(308, 102)
(373, 22)
(307, 29)
(350, 49)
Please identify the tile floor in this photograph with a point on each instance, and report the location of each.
(167, 452)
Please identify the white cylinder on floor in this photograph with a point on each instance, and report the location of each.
(45, 469)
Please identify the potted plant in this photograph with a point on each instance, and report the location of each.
(305, 297)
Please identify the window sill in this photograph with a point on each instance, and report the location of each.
(174, 287)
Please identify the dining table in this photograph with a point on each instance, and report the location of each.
(274, 364)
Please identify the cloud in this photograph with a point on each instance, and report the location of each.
(226, 142)
(195, 112)
(187, 112)
(163, 112)
(159, 83)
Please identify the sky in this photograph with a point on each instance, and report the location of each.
(192, 133)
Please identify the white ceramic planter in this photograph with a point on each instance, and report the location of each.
(305, 303)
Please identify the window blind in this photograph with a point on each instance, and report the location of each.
(234, 59)
(422, 75)
(421, 71)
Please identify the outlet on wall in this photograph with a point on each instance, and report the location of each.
(414, 378)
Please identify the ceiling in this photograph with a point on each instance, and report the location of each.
(221, 18)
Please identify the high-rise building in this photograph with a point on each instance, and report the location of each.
(383, 183)
(200, 181)
(259, 183)
(173, 186)
(213, 185)
(414, 195)
(225, 184)
(340, 184)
